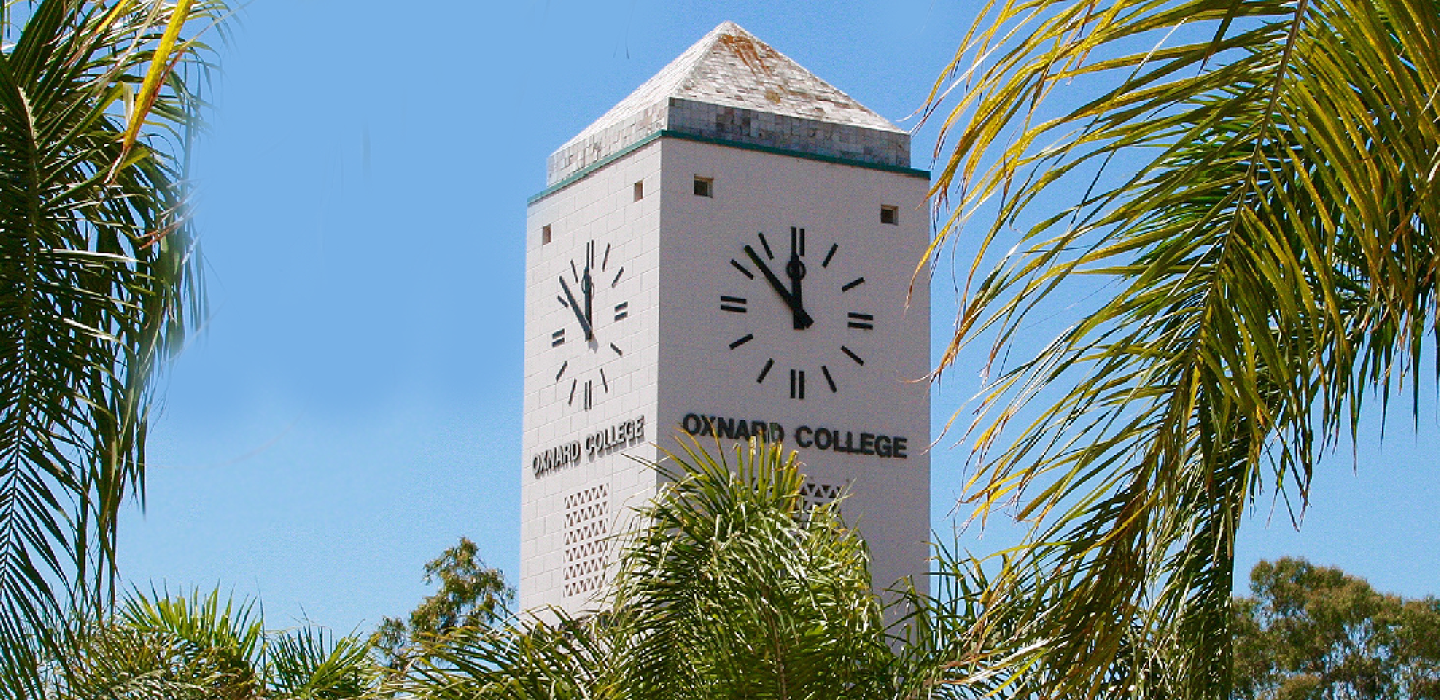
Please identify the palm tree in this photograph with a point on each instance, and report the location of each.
(726, 589)
(729, 588)
(1264, 263)
(200, 646)
(98, 279)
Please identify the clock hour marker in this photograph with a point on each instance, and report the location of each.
(833, 247)
(616, 348)
(748, 337)
(563, 366)
(768, 364)
(590, 254)
(616, 281)
(797, 384)
(853, 284)
(573, 383)
(864, 322)
(622, 310)
(574, 271)
(562, 301)
(733, 304)
(797, 240)
(606, 262)
(603, 382)
(557, 338)
(742, 269)
(766, 245)
(852, 355)
(589, 399)
(828, 379)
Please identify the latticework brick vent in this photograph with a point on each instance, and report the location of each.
(814, 494)
(586, 544)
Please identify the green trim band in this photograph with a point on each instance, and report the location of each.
(581, 173)
(667, 133)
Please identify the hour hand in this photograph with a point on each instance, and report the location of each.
(802, 319)
(587, 287)
(579, 313)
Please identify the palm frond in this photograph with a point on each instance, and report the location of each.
(744, 593)
(203, 645)
(1268, 261)
(97, 281)
(550, 656)
(727, 587)
(313, 664)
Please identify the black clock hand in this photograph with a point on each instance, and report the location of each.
(802, 319)
(795, 270)
(579, 315)
(587, 287)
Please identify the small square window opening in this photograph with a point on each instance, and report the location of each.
(545, 234)
(704, 187)
(890, 215)
(639, 190)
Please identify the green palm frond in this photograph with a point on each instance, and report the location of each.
(136, 665)
(311, 663)
(164, 646)
(550, 657)
(745, 594)
(1269, 261)
(97, 280)
(725, 587)
(203, 645)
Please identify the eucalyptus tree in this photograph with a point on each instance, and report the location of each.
(98, 279)
(1311, 631)
(470, 594)
(1237, 216)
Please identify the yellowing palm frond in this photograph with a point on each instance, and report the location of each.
(97, 280)
(1264, 257)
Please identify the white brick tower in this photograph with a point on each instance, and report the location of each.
(728, 250)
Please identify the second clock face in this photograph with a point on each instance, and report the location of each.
(823, 310)
(592, 289)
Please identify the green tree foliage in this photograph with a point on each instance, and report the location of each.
(1254, 260)
(728, 588)
(471, 595)
(1316, 633)
(746, 595)
(98, 278)
(204, 648)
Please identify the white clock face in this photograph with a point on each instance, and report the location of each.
(593, 286)
(822, 311)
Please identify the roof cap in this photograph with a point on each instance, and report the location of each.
(719, 88)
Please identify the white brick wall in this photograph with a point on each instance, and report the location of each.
(836, 205)
(676, 249)
(599, 208)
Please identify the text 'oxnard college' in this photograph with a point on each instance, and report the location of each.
(594, 445)
(806, 437)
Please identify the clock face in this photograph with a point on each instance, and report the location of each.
(593, 290)
(811, 297)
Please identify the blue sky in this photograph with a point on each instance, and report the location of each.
(353, 404)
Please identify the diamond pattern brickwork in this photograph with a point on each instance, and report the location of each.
(586, 541)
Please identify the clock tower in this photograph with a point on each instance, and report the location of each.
(729, 251)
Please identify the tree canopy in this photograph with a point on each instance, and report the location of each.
(1308, 632)
(471, 595)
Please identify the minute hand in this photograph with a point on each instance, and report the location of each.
(802, 319)
(579, 315)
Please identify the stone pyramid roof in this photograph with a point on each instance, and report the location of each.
(730, 86)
